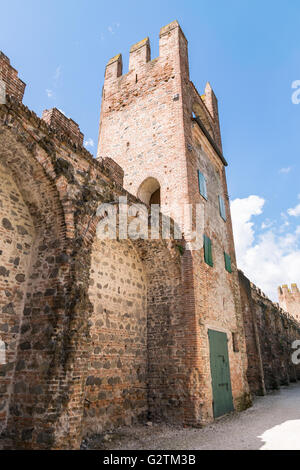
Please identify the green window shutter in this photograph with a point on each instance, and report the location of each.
(227, 262)
(202, 185)
(208, 251)
(222, 208)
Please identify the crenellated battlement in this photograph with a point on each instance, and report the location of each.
(140, 54)
(114, 68)
(158, 86)
(276, 307)
(14, 86)
(285, 290)
(109, 169)
(61, 123)
(289, 299)
(172, 42)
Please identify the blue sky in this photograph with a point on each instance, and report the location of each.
(248, 50)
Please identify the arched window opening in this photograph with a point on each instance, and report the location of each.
(149, 191)
(155, 197)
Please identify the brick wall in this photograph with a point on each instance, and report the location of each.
(116, 387)
(16, 239)
(61, 123)
(14, 85)
(115, 171)
(168, 351)
(270, 333)
(138, 365)
(56, 394)
(36, 303)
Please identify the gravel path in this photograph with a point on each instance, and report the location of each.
(272, 423)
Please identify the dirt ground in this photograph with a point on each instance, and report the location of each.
(273, 423)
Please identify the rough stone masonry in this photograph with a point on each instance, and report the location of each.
(104, 333)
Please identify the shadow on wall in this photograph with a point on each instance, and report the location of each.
(149, 191)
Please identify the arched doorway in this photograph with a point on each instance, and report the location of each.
(149, 191)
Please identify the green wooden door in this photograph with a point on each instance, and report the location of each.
(220, 373)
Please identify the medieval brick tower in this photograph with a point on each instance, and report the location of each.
(289, 300)
(166, 137)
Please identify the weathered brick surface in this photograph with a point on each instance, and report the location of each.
(116, 385)
(270, 333)
(138, 365)
(51, 390)
(14, 85)
(16, 239)
(115, 171)
(61, 123)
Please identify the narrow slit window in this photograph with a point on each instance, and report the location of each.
(235, 342)
(227, 262)
(202, 184)
(222, 208)
(208, 251)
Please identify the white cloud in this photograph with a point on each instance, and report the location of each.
(89, 143)
(267, 224)
(295, 211)
(242, 211)
(285, 170)
(113, 28)
(50, 93)
(57, 73)
(268, 258)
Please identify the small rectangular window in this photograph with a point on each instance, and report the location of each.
(202, 184)
(227, 262)
(235, 342)
(208, 251)
(222, 208)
